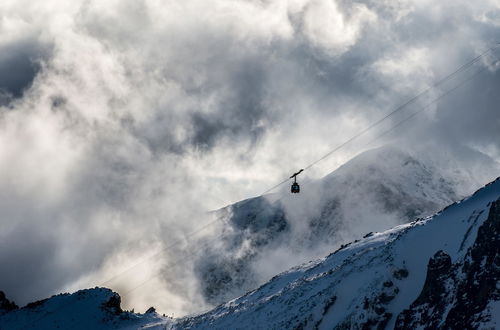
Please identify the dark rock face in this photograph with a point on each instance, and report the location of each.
(113, 305)
(257, 215)
(35, 304)
(430, 305)
(468, 285)
(482, 269)
(400, 273)
(255, 221)
(5, 304)
(151, 310)
(223, 278)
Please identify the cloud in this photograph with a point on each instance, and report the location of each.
(122, 122)
(332, 29)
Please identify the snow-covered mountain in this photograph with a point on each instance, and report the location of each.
(97, 308)
(440, 272)
(376, 190)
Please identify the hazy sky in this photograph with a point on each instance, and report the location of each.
(122, 121)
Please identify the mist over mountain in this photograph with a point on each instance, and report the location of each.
(374, 191)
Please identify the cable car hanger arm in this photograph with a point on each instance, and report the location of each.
(295, 175)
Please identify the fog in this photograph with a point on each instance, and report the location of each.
(123, 123)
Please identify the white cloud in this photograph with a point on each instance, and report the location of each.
(333, 30)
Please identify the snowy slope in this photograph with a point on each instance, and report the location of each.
(414, 275)
(377, 190)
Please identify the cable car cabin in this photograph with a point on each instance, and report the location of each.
(295, 186)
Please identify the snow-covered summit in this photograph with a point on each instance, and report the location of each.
(97, 308)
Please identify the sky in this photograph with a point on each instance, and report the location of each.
(123, 122)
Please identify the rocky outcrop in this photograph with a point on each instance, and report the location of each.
(5, 304)
(113, 304)
(430, 305)
(482, 275)
(455, 296)
(255, 222)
